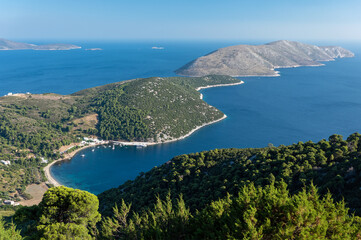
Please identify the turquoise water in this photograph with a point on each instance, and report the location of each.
(307, 103)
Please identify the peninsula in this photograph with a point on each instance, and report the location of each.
(36, 129)
(11, 45)
(261, 60)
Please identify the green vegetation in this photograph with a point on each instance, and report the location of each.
(152, 109)
(302, 191)
(64, 213)
(255, 213)
(268, 212)
(332, 165)
(33, 126)
(8, 231)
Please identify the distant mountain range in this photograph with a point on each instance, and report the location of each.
(11, 45)
(261, 60)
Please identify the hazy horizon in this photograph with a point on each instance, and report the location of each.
(323, 20)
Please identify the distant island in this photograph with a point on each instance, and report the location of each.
(261, 60)
(93, 49)
(11, 45)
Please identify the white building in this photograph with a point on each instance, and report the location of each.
(6, 162)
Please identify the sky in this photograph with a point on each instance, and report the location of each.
(181, 19)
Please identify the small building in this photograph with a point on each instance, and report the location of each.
(9, 202)
(6, 162)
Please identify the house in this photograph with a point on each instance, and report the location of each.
(5, 162)
(9, 202)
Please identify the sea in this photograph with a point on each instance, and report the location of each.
(305, 103)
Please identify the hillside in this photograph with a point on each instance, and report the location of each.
(261, 60)
(11, 45)
(156, 109)
(33, 126)
(332, 165)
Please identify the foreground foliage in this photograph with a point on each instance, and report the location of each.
(8, 231)
(64, 213)
(269, 212)
(255, 213)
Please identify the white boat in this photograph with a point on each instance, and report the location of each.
(83, 155)
(93, 150)
(113, 147)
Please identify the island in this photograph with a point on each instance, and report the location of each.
(261, 60)
(93, 49)
(157, 48)
(36, 129)
(11, 45)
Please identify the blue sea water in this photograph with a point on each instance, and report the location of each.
(306, 103)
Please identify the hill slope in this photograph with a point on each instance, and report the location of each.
(333, 165)
(261, 60)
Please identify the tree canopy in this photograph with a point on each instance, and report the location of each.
(63, 213)
(268, 212)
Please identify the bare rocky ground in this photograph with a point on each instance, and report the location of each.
(261, 60)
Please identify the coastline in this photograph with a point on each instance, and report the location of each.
(190, 132)
(171, 140)
(67, 156)
(219, 85)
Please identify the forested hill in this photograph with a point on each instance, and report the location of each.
(333, 165)
(152, 109)
(33, 126)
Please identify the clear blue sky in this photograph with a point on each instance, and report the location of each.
(181, 19)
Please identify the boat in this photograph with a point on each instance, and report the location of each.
(141, 145)
(93, 150)
(83, 155)
(113, 147)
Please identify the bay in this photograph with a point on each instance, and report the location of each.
(306, 103)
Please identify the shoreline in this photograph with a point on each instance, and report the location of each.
(275, 72)
(67, 156)
(190, 132)
(170, 140)
(219, 85)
